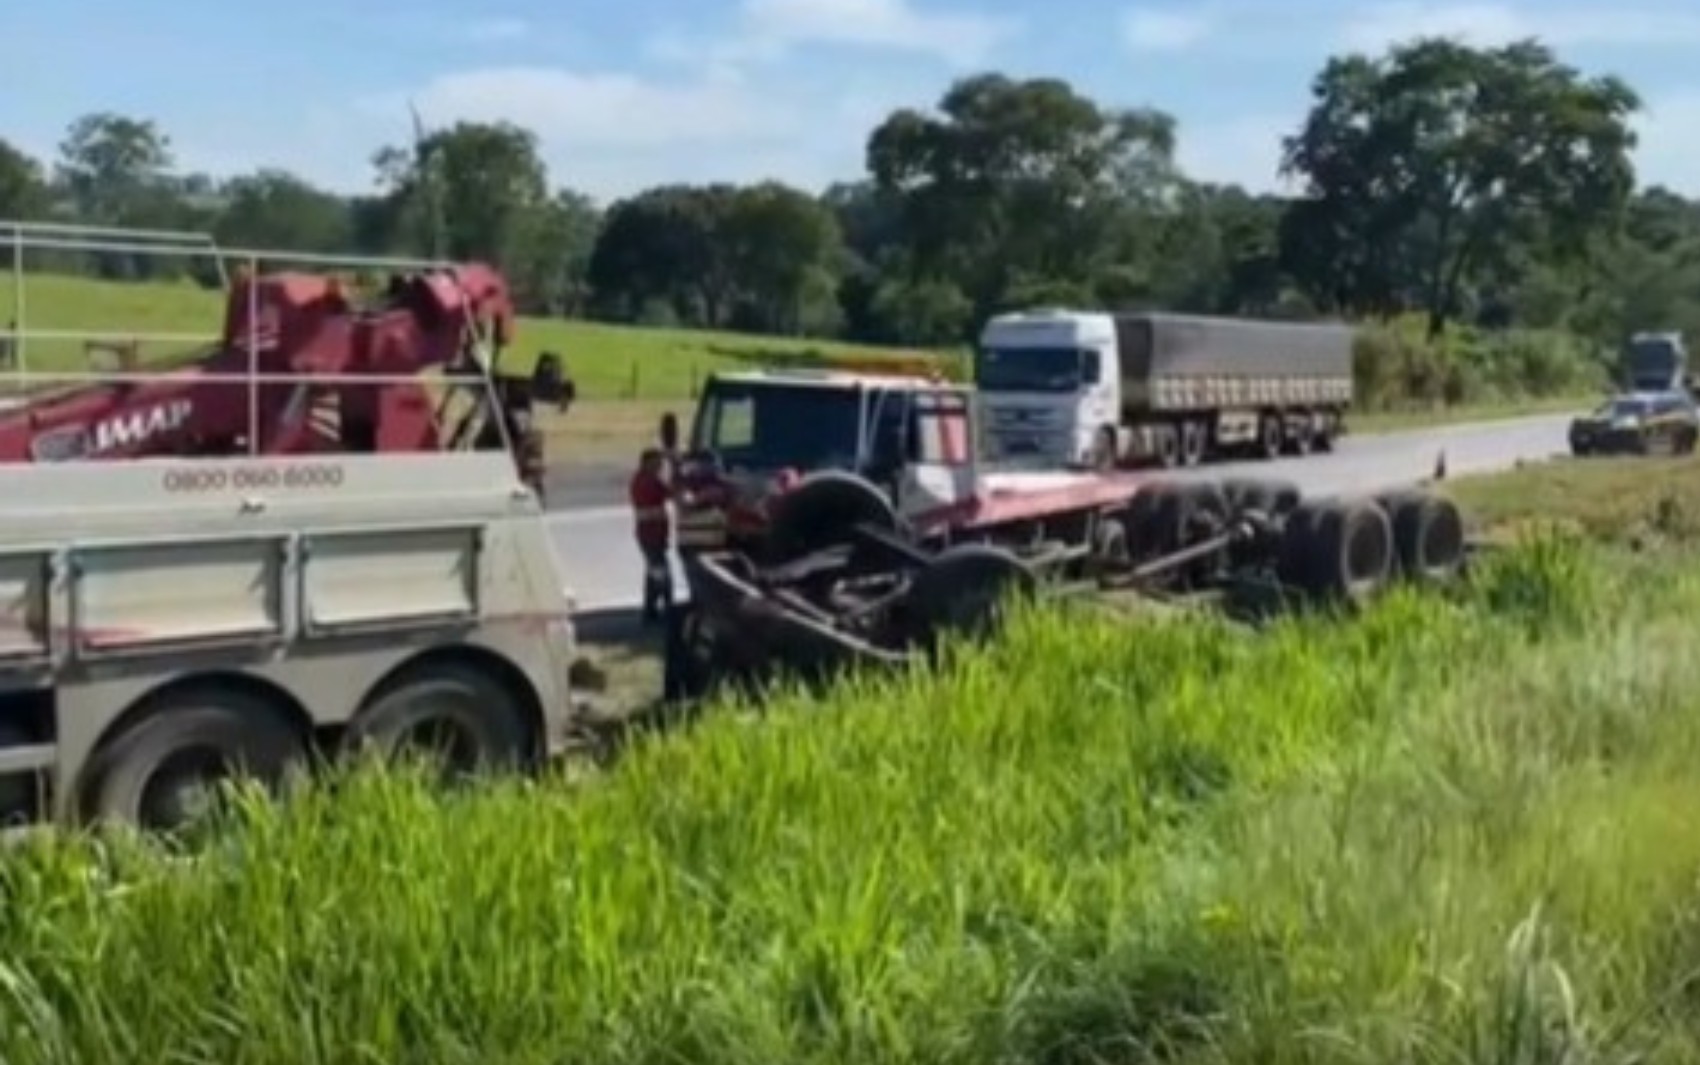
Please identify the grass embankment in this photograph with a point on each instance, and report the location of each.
(1453, 830)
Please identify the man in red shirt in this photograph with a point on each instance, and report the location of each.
(649, 493)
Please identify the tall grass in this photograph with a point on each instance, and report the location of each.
(1456, 829)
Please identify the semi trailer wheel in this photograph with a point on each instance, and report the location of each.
(1339, 550)
(818, 513)
(1271, 436)
(162, 772)
(1428, 536)
(1195, 436)
(963, 592)
(454, 715)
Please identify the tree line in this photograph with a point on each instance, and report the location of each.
(1464, 192)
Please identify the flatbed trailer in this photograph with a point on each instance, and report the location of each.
(901, 534)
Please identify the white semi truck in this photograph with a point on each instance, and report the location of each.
(1064, 387)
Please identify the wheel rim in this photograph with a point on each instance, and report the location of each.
(184, 789)
(443, 742)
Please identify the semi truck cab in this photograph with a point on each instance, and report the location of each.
(1047, 381)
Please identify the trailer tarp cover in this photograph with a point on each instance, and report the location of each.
(1164, 345)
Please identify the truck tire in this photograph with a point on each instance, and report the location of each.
(1303, 438)
(1428, 536)
(457, 715)
(1296, 553)
(1106, 455)
(158, 772)
(1330, 428)
(820, 512)
(1271, 436)
(962, 592)
(1166, 444)
(1111, 550)
(1195, 436)
(1351, 551)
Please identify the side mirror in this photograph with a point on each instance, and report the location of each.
(669, 432)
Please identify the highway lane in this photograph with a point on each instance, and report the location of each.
(600, 565)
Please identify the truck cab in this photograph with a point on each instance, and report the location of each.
(1048, 381)
(1655, 362)
(754, 432)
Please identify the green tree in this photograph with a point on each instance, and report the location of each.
(468, 192)
(665, 247)
(1014, 184)
(1429, 168)
(785, 252)
(274, 209)
(115, 167)
(553, 258)
(23, 190)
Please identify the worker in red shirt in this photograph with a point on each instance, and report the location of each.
(649, 493)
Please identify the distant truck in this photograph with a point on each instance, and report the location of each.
(1065, 387)
(1655, 362)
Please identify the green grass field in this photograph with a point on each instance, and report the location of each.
(1460, 829)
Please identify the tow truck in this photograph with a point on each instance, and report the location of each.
(293, 542)
(860, 526)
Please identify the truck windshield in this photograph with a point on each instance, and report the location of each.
(1028, 369)
(772, 427)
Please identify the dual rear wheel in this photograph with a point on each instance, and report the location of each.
(165, 768)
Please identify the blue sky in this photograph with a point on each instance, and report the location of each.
(628, 93)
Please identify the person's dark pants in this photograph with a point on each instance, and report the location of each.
(657, 582)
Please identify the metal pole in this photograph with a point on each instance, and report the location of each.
(253, 355)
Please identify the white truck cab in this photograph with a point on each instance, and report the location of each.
(1047, 380)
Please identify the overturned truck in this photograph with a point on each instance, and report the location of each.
(826, 568)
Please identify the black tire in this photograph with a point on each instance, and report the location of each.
(158, 772)
(1303, 439)
(1105, 455)
(1111, 549)
(1351, 549)
(1324, 439)
(1296, 555)
(963, 592)
(1194, 438)
(820, 512)
(457, 715)
(1428, 536)
(1271, 436)
(1166, 443)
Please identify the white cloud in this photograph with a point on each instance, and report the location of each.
(1164, 31)
(1487, 24)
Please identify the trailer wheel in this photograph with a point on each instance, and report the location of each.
(1105, 455)
(1166, 443)
(1303, 438)
(160, 773)
(1428, 536)
(1194, 436)
(1270, 436)
(820, 511)
(1111, 551)
(963, 591)
(1296, 556)
(1351, 551)
(455, 715)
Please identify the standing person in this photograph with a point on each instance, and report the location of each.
(649, 493)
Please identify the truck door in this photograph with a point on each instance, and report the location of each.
(941, 470)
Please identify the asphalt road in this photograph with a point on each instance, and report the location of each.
(601, 568)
